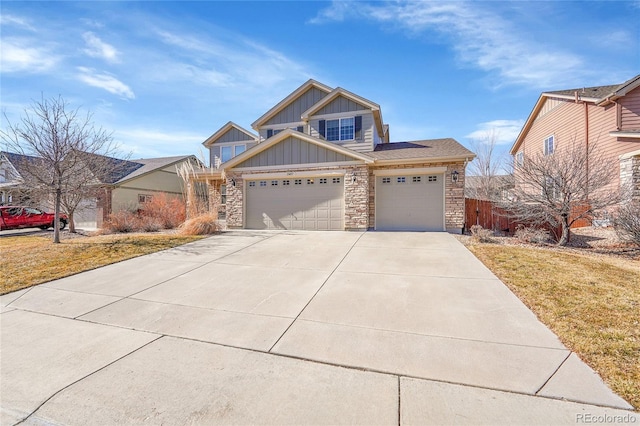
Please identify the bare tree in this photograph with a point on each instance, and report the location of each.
(62, 145)
(486, 169)
(563, 187)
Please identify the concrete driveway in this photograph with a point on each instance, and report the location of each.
(291, 328)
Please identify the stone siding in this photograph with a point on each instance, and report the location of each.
(630, 176)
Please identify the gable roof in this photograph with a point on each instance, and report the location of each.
(274, 140)
(224, 129)
(430, 149)
(599, 95)
(290, 98)
(148, 165)
(340, 92)
(19, 161)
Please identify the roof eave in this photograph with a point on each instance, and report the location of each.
(447, 159)
(211, 139)
(127, 179)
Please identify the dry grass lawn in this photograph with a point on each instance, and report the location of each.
(27, 260)
(592, 302)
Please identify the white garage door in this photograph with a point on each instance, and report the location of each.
(410, 202)
(313, 203)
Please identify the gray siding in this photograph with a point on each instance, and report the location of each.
(341, 104)
(365, 143)
(293, 151)
(234, 135)
(292, 112)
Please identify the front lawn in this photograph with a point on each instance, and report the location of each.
(29, 260)
(592, 302)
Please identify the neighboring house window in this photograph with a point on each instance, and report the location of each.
(223, 194)
(342, 129)
(519, 159)
(549, 145)
(550, 188)
(143, 198)
(230, 151)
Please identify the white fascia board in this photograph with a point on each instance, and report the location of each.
(413, 171)
(623, 134)
(630, 154)
(283, 125)
(299, 166)
(294, 174)
(224, 129)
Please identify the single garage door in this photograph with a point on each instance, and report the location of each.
(410, 202)
(310, 203)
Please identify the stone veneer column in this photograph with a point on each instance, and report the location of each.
(454, 199)
(630, 176)
(235, 199)
(356, 198)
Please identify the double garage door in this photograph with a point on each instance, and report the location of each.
(410, 202)
(310, 203)
(406, 202)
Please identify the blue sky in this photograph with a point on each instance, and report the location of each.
(163, 76)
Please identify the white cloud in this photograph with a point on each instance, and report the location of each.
(16, 21)
(145, 143)
(21, 55)
(97, 48)
(481, 38)
(503, 131)
(105, 81)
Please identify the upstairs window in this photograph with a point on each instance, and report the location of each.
(519, 159)
(223, 194)
(230, 151)
(549, 145)
(342, 129)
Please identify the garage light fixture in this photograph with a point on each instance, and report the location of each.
(353, 177)
(233, 182)
(454, 176)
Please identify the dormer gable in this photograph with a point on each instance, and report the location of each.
(230, 132)
(340, 101)
(291, 108)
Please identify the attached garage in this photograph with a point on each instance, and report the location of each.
(307, 203)
(409, 200)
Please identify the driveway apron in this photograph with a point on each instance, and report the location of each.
(286, 327)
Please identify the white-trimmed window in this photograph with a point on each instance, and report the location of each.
(432, 178)
(335, 180)
(297, 181)
(519, 158)
(286, 182)
(386, 180)
(229, 151)
(401, 179)
(263, 183)
(274, 183)
(341, 129)
(323, 181)
(309, 181)
(416, 179)
(223, 194)
(549, 145)
(252, 183)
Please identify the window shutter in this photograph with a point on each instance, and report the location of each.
(300, 129)
(358, 127)
(321, 128)
(269, 133)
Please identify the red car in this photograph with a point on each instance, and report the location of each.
(14, 217)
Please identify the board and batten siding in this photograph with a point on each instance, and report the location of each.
(234, 135)
(340, 104)
(292, 113)
(367, 138)
(293, 151)
(630, 111)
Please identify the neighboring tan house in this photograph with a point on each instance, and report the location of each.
(129, 185)
(608, 116)
(320, 159)
(492, 188)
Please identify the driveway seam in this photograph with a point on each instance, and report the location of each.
(172, 278)
(554, 373)
(317, 291)
(433, 335)
(84, 377)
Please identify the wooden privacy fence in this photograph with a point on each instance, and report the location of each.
(489, 216)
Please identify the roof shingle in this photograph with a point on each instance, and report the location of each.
(431, 148)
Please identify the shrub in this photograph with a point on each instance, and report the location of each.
(526, 234)
(122, 221)
(481, 235)
(149, 224)
(205, 224)
(626, 222)
(169, 211)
